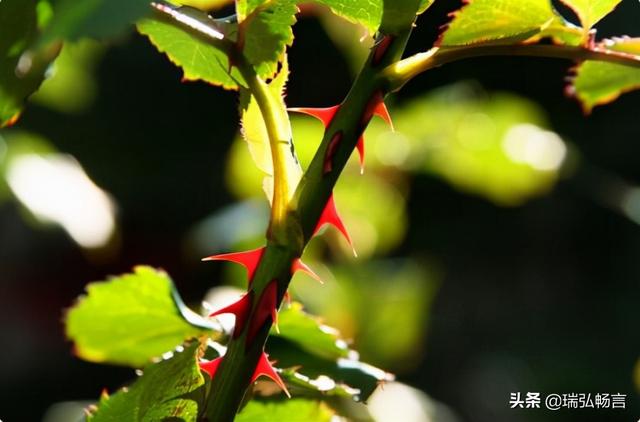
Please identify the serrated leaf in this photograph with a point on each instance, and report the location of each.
(197, 56)
(21, 71)
(75, 19)
(285, 410)
(131, 319)
(267, 32)
(255, 132)
(309, 333)
(591, 12)
(483, 21)
(599, 83)
(367, 13)
(245, 7)
(167, 390)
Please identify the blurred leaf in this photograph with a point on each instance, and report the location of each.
(494, 146)
(267, 32)
(21, 70)
(482, 21)
(309, 333)
(286, 410)
(131, 319)
(591, 12)
(72, 86)
(73, 19)
(198, 58)
(167, 390)
(598, 83)
(368, 14)
(203, 4)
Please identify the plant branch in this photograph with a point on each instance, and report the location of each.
(403, 71)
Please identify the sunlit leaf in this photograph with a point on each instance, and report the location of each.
(367, 13)
(266, 33)
(168, 390)
(599, 83)
(285, 410)
(483, 21)
(131, 319)
(197, 56)
(74, 19)
(591, 12)
(309, 333)
(21, 70)
(204, 4)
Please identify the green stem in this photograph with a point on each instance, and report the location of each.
(401, 72)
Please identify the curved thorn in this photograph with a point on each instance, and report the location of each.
(240, 309)
(210, 367)
(382, 112)
(264, 368)
(360, 147)
(298, 265)
(325, 114)
(330, 216)
(248, 259)
(266, 308)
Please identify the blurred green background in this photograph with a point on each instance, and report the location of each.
(497, 228)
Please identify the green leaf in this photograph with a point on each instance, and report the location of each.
(591, 12)
(131, 319)
(267, 32)
(21, 71)
(168, 390)
(367, 13)
(285, 410)
(483, 21)
(198, 57)
(599, 83)
(74, 19)
(398, 15)
(309, 333)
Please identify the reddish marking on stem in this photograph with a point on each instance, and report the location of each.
(210, 367)
(331, 151)
(381, 49)
(240, 309)
(325, 115)
(298, 265)
(330, 216)
(248, 259)
(264, 368)
(266, 309)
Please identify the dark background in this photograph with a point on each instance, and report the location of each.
(546, 292)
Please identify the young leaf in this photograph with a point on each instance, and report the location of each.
(198, 57)
(287, 410)
(74, 19)
(599, 83)
(309, 333)
(367, 13)
(21, 71)
(131, 319)
(483, 21)
(266, 34)
(167, 390)
(591, 12)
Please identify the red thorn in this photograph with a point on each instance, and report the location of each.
(381, 48)
(248, 259)
(264, 368)
(331, 150)
(360, 147)
(382, 111)
(210, 367)
(325, 115)
(330, 216)
(240, 309)
(266, 308)
(298, 265)
(287, 298)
